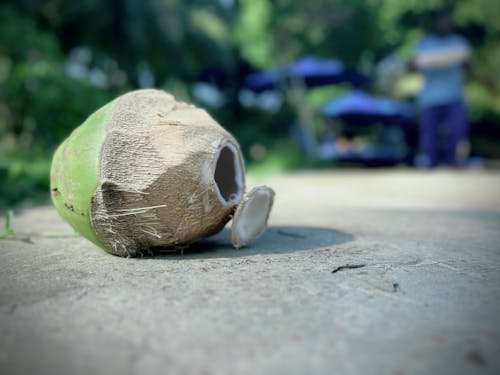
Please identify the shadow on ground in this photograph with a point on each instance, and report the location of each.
(277, 239)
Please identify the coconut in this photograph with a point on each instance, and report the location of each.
(147, 171)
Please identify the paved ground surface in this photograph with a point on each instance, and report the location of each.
(427, 300)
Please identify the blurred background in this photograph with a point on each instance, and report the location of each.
(301, 84)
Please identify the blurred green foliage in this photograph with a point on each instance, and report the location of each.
(61, 60)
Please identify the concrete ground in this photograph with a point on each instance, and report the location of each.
(426, 301)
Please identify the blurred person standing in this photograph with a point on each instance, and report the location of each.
(442, 57)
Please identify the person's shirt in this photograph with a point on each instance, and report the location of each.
(441, 60)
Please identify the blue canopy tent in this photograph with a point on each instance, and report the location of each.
(358, 108)
(310, 70)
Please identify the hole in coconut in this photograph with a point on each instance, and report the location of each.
(228, 175)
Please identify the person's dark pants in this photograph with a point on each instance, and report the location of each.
(453, 119)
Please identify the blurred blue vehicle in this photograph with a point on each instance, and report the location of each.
(309, 70)
(360, 108)
(373, 130)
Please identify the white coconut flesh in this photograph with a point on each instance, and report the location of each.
(250, 219)
(228, 175)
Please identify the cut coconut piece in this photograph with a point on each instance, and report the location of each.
(250, 218)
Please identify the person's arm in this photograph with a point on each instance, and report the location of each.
(468, 65)
(443, 58)
(468, 59)
(412, 64)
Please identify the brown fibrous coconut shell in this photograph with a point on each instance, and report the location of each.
(169, 174)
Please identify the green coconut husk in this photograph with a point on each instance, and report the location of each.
(74, 175)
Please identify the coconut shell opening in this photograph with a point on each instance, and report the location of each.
(228, 175)
(250, 219)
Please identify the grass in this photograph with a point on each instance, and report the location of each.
(9, 230)
(10, 233)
